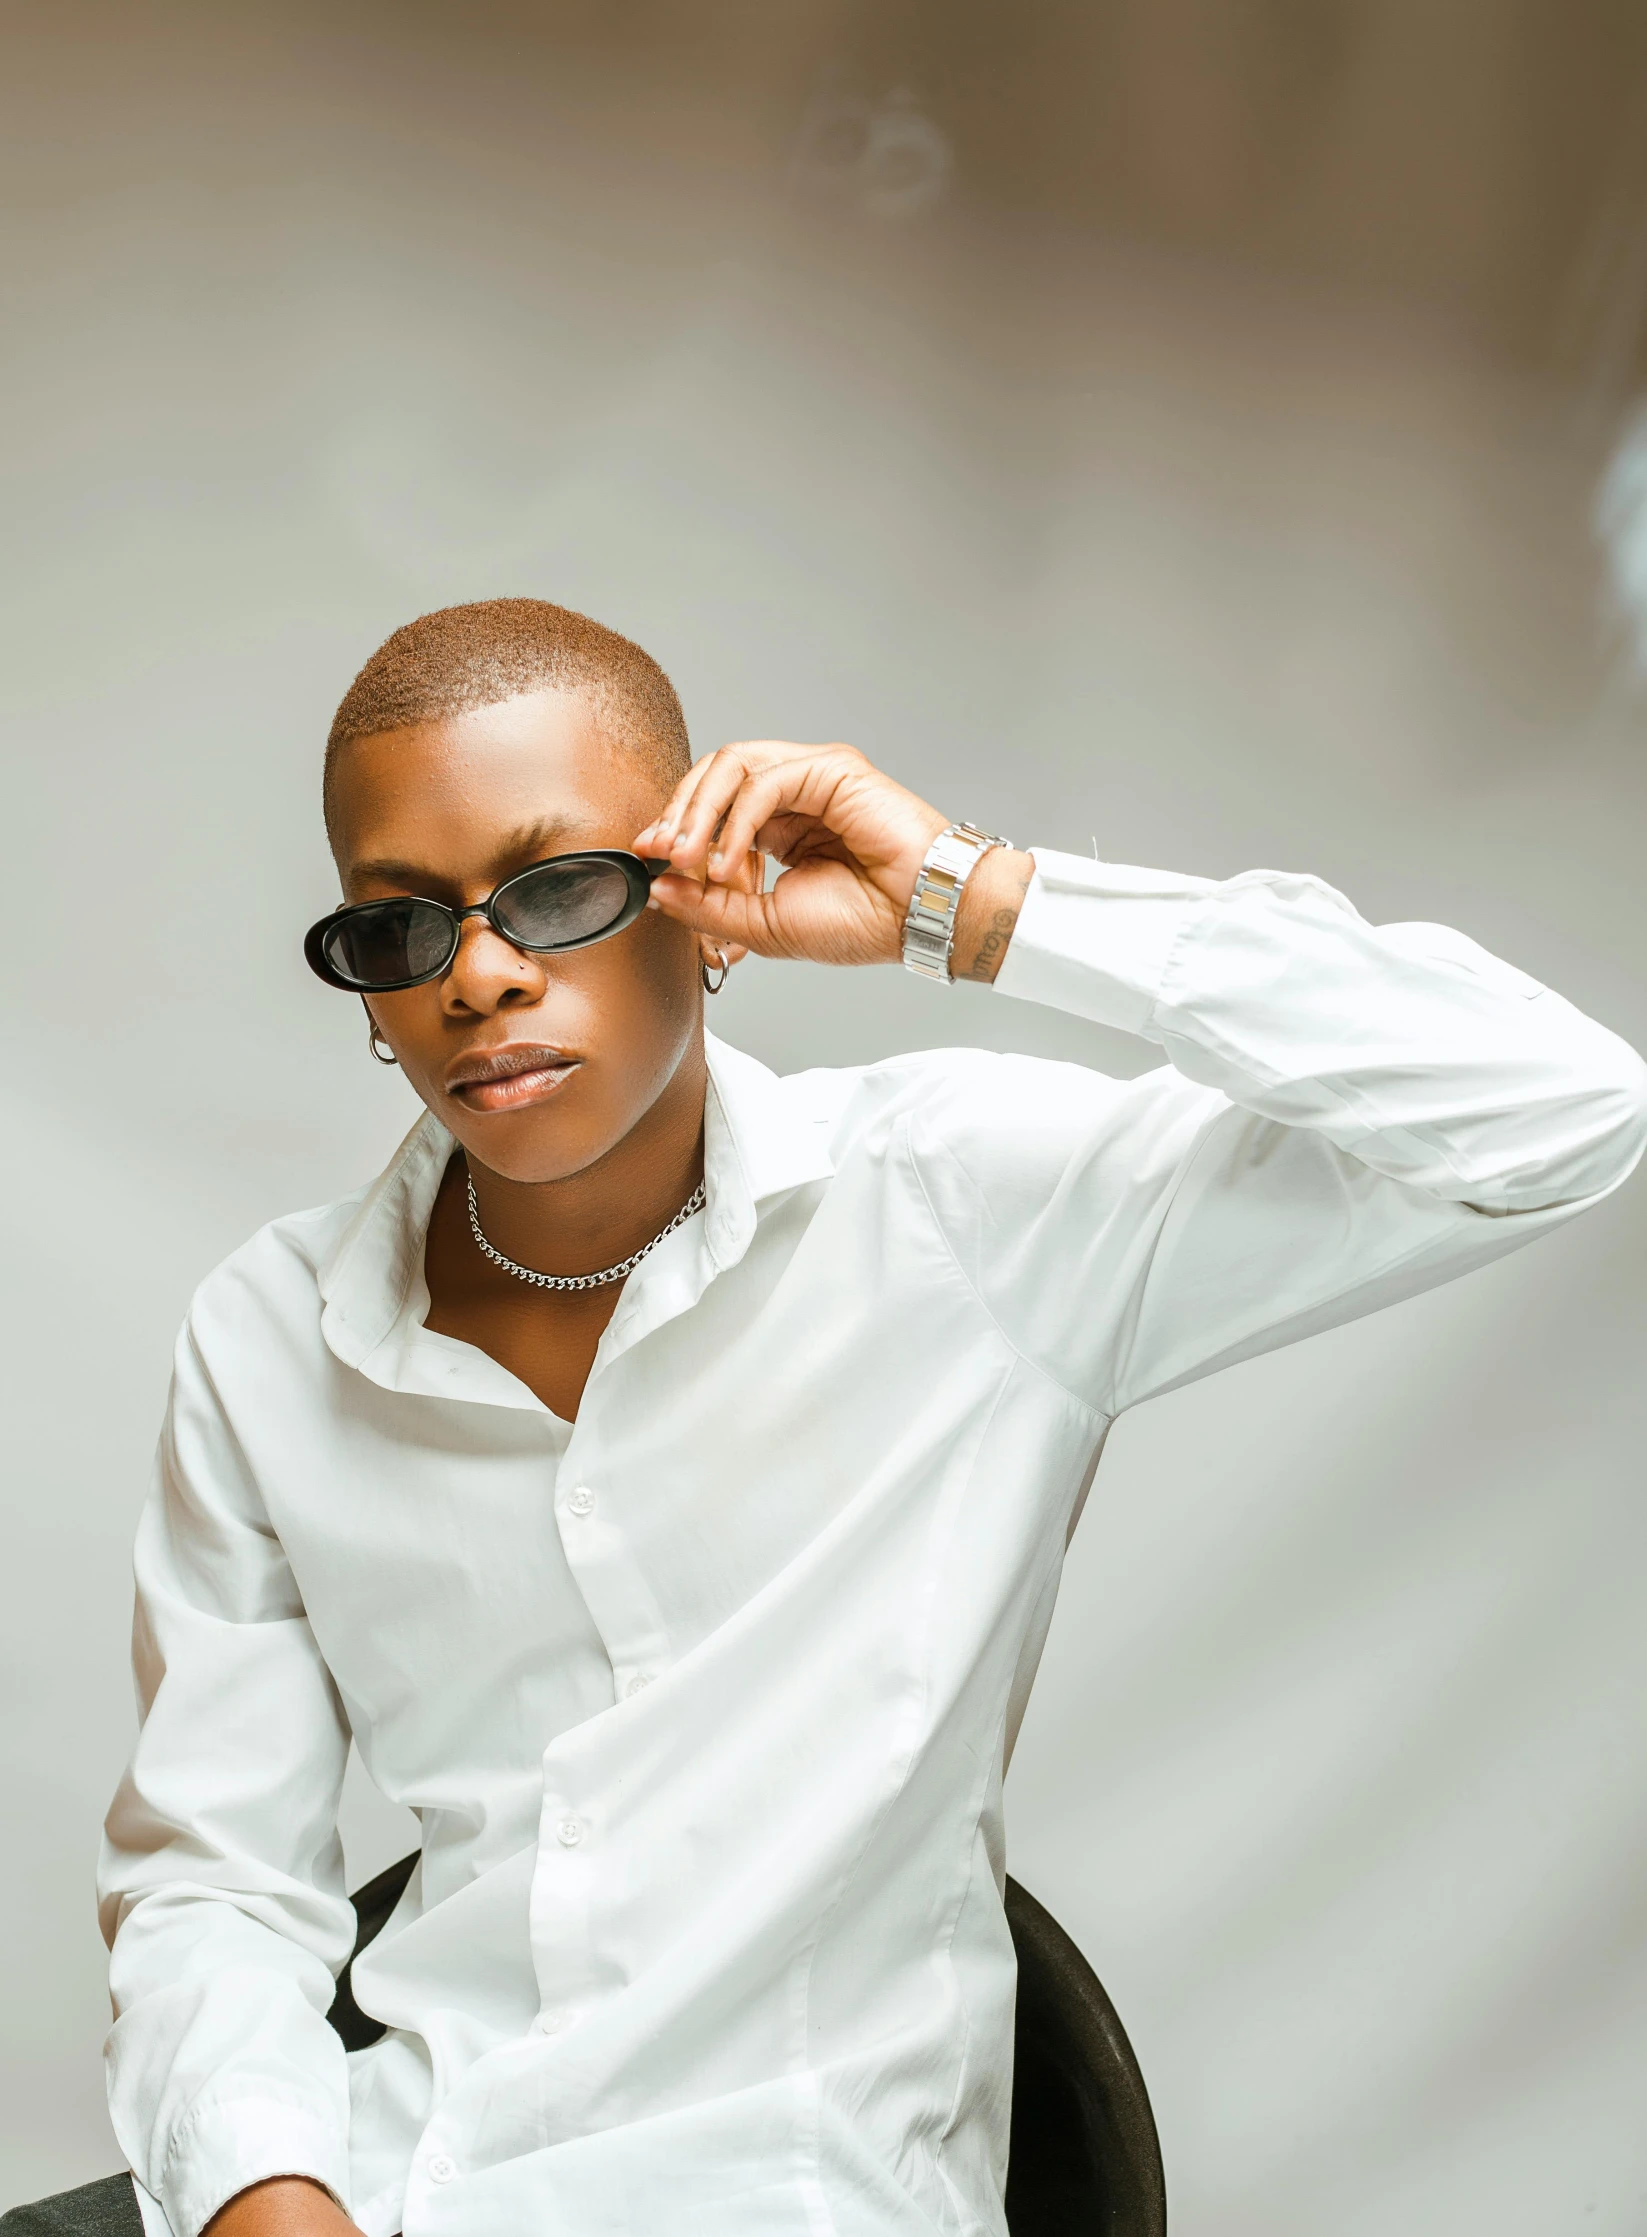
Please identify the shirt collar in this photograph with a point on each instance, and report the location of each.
(757, 1145)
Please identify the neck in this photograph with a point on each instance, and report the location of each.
(594, 1218)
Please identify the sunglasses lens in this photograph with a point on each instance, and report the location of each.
(562, 904)
(389, 942)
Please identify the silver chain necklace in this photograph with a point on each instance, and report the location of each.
(694, 1203)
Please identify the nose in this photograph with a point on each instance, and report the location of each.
(488, 973)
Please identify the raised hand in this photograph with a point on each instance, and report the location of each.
(850, 839)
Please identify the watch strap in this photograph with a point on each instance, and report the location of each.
(929, 928)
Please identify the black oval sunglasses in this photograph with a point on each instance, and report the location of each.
(570, 901)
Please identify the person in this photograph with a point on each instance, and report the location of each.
(662, 1472)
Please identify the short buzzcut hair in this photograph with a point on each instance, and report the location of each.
(460, 657)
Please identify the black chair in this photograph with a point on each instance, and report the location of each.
(1085, 2162)
(1085, 2155)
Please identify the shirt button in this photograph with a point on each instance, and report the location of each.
(569, 1832)
(637, 1684)
(442, 2169)
(551, 2023)
(581, 1501)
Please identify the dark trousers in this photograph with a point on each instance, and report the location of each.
(105, 2209)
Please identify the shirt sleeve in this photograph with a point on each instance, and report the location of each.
(221, 1881)
(1350, 1113)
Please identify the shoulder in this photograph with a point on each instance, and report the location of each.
(273, 1281)
(356, 1252)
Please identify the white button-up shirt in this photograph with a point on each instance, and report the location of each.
(704, 1700)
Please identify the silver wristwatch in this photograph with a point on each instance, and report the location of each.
(929, 928)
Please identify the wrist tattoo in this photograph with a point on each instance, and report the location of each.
(990, 946)
(987, 958)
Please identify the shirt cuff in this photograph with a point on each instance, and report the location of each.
(1093, 938)
(226, 2145)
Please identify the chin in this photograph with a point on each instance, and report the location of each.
(532, 1146)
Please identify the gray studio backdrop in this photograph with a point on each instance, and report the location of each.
(1096, 536)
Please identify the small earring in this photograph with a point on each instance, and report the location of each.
(384, 1055)
(713, 986)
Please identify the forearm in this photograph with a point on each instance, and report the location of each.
(222, 2069)
(1407, 1046)
(221, 1877)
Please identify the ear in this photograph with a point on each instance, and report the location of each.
(710, 952)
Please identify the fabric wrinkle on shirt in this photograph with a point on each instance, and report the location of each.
(705, 1699)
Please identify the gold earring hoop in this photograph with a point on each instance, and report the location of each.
(714, 985)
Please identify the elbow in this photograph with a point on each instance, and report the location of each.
(1608, 1105)
(1628, 1100)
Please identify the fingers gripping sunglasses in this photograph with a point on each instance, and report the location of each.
(570, 901)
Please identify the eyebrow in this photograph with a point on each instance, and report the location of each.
(528, 841)
(517, 849)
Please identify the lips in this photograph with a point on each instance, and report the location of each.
(508, 1079)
